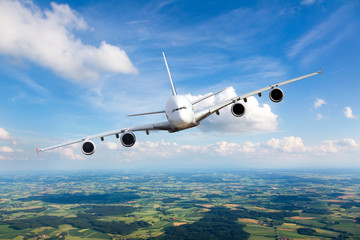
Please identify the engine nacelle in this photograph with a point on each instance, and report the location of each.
(276, 95)
(238, 109)
(88, 147)
(128, 139)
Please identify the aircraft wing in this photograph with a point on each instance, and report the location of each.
(155, 126)
(207, 112)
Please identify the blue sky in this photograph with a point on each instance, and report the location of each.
(70, 69)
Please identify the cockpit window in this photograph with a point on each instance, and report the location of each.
(178, 109)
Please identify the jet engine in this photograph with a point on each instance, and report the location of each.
(276, 95)
(128, 139)
(88, 147)
(238, 109)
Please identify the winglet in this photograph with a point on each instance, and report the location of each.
(168, 71)
(37, 150)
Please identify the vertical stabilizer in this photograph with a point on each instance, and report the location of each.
(168, 71)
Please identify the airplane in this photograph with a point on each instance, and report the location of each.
(180, 114)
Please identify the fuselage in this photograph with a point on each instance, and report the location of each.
(180, 112)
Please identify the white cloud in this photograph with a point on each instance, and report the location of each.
(348, 113)
(111, 145)
(161, 149)
(69, 153)
(287, 144)
(6, 149)
(4, 134)
(45, 37)
(335, 146)
(14, 158)
(257, 118)
(272, 148)
(318, 103)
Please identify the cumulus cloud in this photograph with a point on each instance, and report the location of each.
(7, 158)
(335, 146)
(287, 144)
(256, 118)
(6, 149)
(318, 103)
(111, 145)
(148, 148)
(270, 148)
(69, 153)
(45, 37)
(4, 135)
(348, 113)
(159, 148)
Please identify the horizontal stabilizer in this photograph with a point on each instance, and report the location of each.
(206, 97)
(149, 113)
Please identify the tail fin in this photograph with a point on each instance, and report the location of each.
(171, 82)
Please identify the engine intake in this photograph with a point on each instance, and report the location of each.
(238, 109)
(128, 139)
(88, 147)
(276, 95)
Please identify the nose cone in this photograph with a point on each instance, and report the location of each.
(179, 112)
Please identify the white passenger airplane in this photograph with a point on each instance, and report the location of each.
(180, 114)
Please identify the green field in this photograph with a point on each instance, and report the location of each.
(185, 205)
